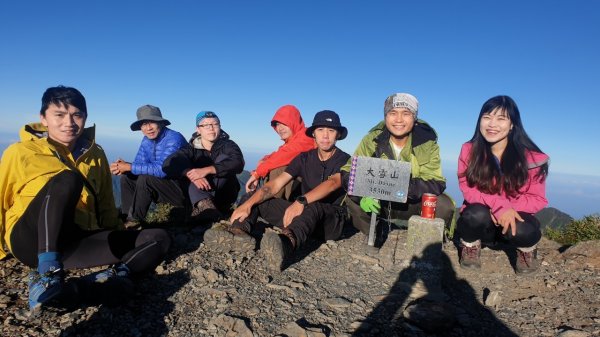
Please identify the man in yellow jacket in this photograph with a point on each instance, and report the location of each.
(57, 209)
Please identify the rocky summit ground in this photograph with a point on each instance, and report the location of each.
(337, 288)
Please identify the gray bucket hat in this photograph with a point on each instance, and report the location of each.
(148, 113)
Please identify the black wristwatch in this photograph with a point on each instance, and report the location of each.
(302, 199)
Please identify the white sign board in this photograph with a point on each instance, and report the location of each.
(382, 179)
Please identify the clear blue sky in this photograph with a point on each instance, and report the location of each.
(244, 59)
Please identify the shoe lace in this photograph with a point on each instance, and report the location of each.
(525, 257)
(290, 235)
(39, 283)
(470, 252)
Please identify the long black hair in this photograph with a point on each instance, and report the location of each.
(483, 171)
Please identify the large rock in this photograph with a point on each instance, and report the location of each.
(430, 316)
(425, 237)
(293, 329)
(231, 326)
(585, 253)
(424, 248)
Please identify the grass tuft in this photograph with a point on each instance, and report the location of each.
(585, 229)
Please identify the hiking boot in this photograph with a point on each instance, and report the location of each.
(109, 286)
(527, 262)
(278, 248)
(120, 270)
(132, 224)
(242, 241)
(205, 211)
(44, 288)
(470, 256)
(221, 237)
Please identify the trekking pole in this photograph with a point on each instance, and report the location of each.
(371, 241)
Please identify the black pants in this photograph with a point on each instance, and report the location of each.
(321, 220)
(47, 226)
(475, 223)
(394, 210)
(138, 193)
(224, 192)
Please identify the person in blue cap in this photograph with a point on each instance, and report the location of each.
(208, 166)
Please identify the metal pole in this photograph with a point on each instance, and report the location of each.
(372, 229)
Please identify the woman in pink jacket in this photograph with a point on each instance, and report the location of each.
(501, 173)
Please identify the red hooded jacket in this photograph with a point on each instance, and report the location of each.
(297, 143)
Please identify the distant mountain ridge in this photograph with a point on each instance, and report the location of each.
(553, 218)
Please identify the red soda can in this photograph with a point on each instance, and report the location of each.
(428, 204)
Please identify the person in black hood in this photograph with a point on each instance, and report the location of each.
(209, 165)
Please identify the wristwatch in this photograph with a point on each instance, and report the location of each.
(302, 199)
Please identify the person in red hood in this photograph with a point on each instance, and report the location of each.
(288, 124)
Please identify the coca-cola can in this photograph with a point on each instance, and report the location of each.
(428, 204)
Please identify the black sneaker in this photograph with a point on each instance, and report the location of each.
(110, 286)
(120, 270)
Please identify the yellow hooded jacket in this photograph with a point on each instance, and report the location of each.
(28, 165)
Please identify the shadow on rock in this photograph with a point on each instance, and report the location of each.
(315, 241)
(144, 315)
(184, 240)
(427, 299)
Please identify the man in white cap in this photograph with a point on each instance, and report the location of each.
(401, 136)
(143, 181)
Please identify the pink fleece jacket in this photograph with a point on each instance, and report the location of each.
(297, 143)
(532, 196)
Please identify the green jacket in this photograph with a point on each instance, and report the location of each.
(421, 150)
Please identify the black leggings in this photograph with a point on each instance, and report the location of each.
(47, 226)
(475, 223)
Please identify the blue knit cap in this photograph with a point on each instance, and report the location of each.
(205, 114)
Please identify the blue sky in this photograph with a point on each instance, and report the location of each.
(244, 59)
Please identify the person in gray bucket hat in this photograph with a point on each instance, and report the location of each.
(143, 181)
(148, 113)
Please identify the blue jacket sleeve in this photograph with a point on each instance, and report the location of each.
(154, 153)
